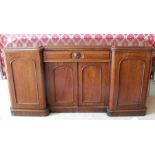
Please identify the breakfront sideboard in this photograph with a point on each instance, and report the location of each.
(78, 79)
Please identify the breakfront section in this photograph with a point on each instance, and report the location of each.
(130, 73)
(26, 83)
(77, 79)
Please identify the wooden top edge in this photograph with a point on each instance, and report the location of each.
(132, 48)
(51, 48)
(26, 49)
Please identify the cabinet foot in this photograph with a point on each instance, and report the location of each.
(29, 112)
(138, 112)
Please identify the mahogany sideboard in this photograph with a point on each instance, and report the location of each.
(78, 79)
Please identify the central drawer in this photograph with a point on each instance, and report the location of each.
(76, 56)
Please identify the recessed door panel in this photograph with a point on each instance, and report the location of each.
(61, 84)
(25, 82)
(131, 77)
(93, 84)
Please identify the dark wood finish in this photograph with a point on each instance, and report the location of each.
(77, 56)
(65, 67)
(61, 84)
(25, 76)
(93, 84)
(78, 79)
(78, 109)
(57, 55)
(100, 55)
(130, 73)
(77, 48)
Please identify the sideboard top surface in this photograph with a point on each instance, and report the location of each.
(74, 48)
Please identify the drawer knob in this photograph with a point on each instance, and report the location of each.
(77, 55)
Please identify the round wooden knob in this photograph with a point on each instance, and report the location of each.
(77, 55)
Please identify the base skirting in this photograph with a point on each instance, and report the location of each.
(29, 112)
(45, 112)
(78, 109)
(138, 112)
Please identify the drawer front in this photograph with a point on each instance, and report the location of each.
(57, 55)
(103, 55)
(76, 56)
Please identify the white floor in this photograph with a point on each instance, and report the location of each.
(5, 109)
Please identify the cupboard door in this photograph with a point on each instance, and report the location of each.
(93, 84)
(129, 81)
(61, 83)
(25, 76)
